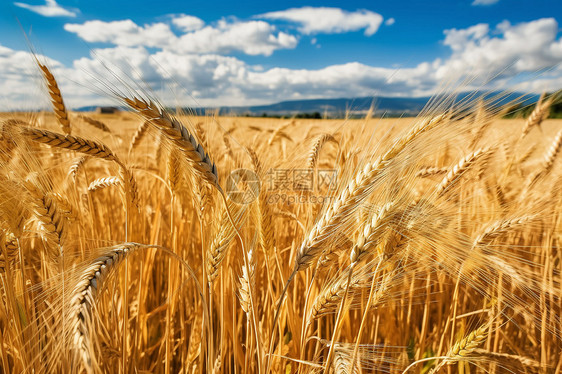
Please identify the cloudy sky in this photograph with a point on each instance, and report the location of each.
(257, 52)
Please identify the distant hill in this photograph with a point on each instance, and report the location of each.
(389, 106)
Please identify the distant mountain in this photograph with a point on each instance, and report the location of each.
(382, 105)
(359, 105)
(342, 105)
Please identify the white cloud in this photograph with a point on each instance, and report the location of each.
(251, 37)
(390, 22)
(21, 87)
(187, 23)
(329, 20)
(507, 50)
(484, 2)
(125, 33)
(50, 9)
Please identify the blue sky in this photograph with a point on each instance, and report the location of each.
(257, 52)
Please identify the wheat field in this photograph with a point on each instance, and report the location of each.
(158, 242)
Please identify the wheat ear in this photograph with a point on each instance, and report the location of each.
(9, 250)
(247, 284)
(430, 171)
(522, 360)
(338, 212)
(84, 296)
(279, 132)
(221, 241)
(351, 195)
(56, 99)
(317, 147)
(76, 165)
(104, 182)
(70, 142)
(459, 169)
(88, 147)
(537, 115)
(551, 153)
(178, 135)
(173, 170)
(498, 228)
(138, 135)
(371, 233)
(480, 116)
(464, 347)
(49, 216)
(330, 297)
(267, 232)
(95, 123)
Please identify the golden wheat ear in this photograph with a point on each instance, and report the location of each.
(314, 152)
(95, 123)
(179, 136)
(83, 299)
(56, 99)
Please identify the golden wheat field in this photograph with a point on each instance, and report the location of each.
(158, 242)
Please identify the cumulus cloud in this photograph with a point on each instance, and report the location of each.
(484, 2)
(187, 23)
(21, 87)
(125, 33)
(507, 50)
(390, 22)
(251, 37)
(50, 9)
(314, 20)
